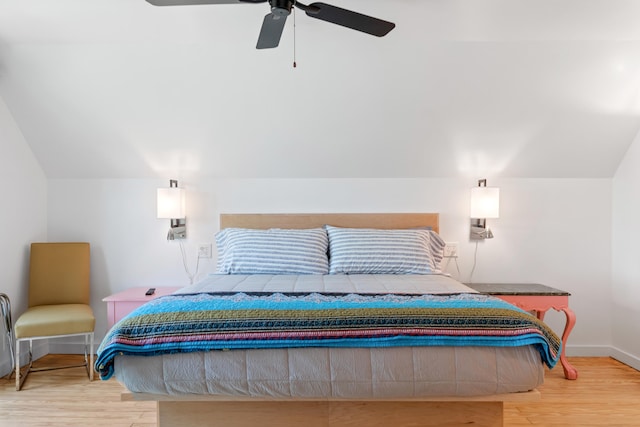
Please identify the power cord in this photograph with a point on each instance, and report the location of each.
(186, 267)
(455, 259)
(475, 257)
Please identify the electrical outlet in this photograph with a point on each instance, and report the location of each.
(204, 250)
(451, 249)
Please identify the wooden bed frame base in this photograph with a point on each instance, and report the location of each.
(224, 411)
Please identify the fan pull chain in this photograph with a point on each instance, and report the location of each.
(294, 38)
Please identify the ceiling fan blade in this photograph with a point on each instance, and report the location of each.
(271, 31)
(349, 19)
(190, 2)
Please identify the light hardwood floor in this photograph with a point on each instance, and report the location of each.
(607, 393)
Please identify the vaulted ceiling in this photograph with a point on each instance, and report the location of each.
(514, 88)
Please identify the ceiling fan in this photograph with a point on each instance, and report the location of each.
(273, 23)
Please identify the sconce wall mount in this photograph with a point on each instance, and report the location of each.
(171, 206)
(485, 203)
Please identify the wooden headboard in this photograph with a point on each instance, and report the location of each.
(353, 220)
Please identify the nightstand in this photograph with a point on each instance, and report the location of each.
(538, 298)
(123, 303)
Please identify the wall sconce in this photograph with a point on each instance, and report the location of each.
(171, 205)
(485, 203)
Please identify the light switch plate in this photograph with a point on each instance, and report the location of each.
(451, 250)
(204, 250)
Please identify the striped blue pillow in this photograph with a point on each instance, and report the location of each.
(274, 251)
(376, 251)
(437, 248)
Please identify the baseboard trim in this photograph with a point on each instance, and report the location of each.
(68, 348)
(5, 367)
(40, 349)
(626, 358)
(589, 351)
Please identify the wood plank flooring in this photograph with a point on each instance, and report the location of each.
(67, 398)
(607, 393)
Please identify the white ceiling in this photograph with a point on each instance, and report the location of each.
(513, 88)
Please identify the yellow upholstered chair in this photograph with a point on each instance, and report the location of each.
(58, 301)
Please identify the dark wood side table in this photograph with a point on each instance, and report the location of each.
(538, 298)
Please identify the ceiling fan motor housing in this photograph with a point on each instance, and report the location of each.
(281, 7)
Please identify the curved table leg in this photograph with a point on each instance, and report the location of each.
(570, 372)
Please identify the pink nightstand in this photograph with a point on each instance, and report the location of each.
(538, 298)
(123, 303)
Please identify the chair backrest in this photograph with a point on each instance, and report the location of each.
(59, 273)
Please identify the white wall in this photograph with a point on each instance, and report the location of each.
(23, 214)
(545, 233)
(626, 258)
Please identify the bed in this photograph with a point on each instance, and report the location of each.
(373, 348)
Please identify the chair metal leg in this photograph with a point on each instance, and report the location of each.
(88, 364)
(88, 340)
(17, 368)
(91, 357)
(19, 377)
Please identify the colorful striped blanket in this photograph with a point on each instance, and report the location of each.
(224, 321)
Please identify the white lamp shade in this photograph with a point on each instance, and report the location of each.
(485, 202)
(171, 203)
